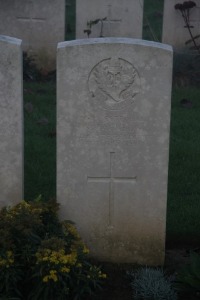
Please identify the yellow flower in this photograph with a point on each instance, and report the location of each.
(69, 228)
(45, 279)
(85, 250)
(79, 265)
(3, 262)
(103, 276)
(8, 260)
(65, 270)
(52, 275)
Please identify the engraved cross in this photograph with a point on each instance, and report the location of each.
(111, 21)
(111, 179)
(30, 19)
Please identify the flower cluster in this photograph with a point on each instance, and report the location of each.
(55, 262)
(47, 255)
(52, 276)
(185, 5)
(8, 260)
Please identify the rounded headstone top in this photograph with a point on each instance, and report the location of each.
(113, 40)
(10, 40)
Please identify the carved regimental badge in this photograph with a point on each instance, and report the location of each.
(114, 83)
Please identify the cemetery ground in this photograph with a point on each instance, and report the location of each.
(183, 206)
(183, 222)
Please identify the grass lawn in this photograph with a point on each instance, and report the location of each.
(40, 140)
(152, 20)
(183, 222)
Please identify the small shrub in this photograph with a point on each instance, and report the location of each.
(151, 284)
(184, 9)
(30, 70)
(41, 257)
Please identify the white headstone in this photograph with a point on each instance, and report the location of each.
(123, 18)
(40, 24)
(113, 119)
(11, 119)
(174, 31)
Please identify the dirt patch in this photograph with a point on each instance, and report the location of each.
(117, 285)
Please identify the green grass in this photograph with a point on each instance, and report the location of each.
(183, 222)
(152, 20)
(71, 19)
(40, 141)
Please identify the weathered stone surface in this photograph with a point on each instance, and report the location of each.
(11, 118)
(113, 117)
(123, 18)
(40, 24)
(174, 31)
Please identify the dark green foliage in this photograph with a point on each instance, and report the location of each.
(186, 69)
(151, 284)
(183, 222)
(188, 278)
(70, 17)
(152, 20)
(30, 70)
(41, 257)
(40, 140)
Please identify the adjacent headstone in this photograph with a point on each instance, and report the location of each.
(113, 119)
(40, 24)
(175, 32)
(119, 18)
(11, 119)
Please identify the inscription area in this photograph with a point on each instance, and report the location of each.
(110, 22)
(30, 19)
(112, 180)
(113, 83)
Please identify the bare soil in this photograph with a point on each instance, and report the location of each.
(117, 285)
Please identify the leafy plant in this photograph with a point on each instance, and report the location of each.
(92, 23)
(188, 279)
(30, 70)
(185, 9)
(32, 73)
(41, 257)
(151, 284)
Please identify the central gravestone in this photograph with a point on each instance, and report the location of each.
(113, 119)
